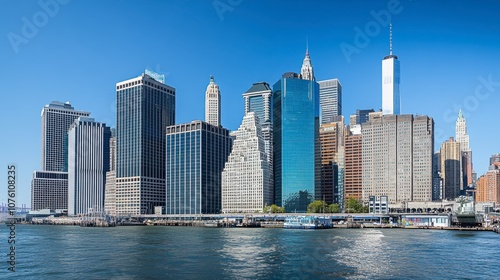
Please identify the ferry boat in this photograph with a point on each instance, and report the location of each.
(307, 222)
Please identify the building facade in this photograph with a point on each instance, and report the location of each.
(49, 190)
(88, 162)
(488, 187)
(258, 99)
(246, 178)
(331, 137)
(196, 153)
(110, 190)
(451, 169)
(462, 137)
(212, 103)
(56, 119)
(330, 100)
(296, 141)
(397, 153)
(353, 183)
(391, 100)
(145, 107)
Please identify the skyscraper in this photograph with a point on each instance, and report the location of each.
(296, 141)
(391, 101)
(145, 107)
(56, 119)
(88, 162)
(307, 72)
(196, 154)
(110, 191)
(353, 184)
(397, 153)
(451, 169)
(212, 103)
(462, 137)
(246, 179)
(331, 137)
(330, 99)
(494, 158)
(258, 99)
(49, 186)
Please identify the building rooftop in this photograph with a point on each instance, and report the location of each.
(260, 86)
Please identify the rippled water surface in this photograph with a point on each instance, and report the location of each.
(70, 252)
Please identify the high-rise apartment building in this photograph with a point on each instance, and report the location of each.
(330, 100)
(212, 103)
(88, 162)
(246, 179)
(488, 186)
(196, 154)
(451, 169)
(296, 141)
(397, 153)
(391, 100)
(145, 107)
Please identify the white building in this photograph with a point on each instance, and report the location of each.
(110, 192)
(246, 179)
(330, 100)
(307, 71)
(461, 135)
(391, 100)
(88, 161)
(212, 103)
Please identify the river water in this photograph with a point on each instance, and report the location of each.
(71, 252)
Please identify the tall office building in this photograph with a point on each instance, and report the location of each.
(145, 107)
(88, 162)
(362, 115)
(353, 184)
(56, 119)
(397, 153)
(212, 103)
(49, 190)
(331, 137)
(330, 100)
(462, 137)
(451, 169)
(437, 182)
(196, 154)
(297, 160)
(49, 186)
(246, 179)
(258, 99)
(391, 100)
(110, 190)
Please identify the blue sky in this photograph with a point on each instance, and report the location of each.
(449, 54)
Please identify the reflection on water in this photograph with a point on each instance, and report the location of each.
(66, 252)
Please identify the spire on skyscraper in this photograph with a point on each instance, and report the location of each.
(307, 68)
(390, 38)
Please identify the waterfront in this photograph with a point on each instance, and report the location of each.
(69, 252)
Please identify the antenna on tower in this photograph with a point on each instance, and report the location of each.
(390, 38)
(307, 44)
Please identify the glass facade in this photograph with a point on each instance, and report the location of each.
(145, 107)
(196, 153)
(296, 142)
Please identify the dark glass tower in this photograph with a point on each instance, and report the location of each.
(145, 107)
(296, 141)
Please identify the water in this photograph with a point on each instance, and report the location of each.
(70, 252)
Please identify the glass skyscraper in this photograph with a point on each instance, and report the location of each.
(296, 141)
(195, 156)
(145, 107)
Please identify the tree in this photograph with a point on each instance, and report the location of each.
(317, 206)
(274, 209)
(333, 208)
(354, 206)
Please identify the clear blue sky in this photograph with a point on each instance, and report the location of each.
(83, 48)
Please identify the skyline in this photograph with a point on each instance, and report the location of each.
(72, 58)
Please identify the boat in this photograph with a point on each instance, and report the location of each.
(307, 222)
